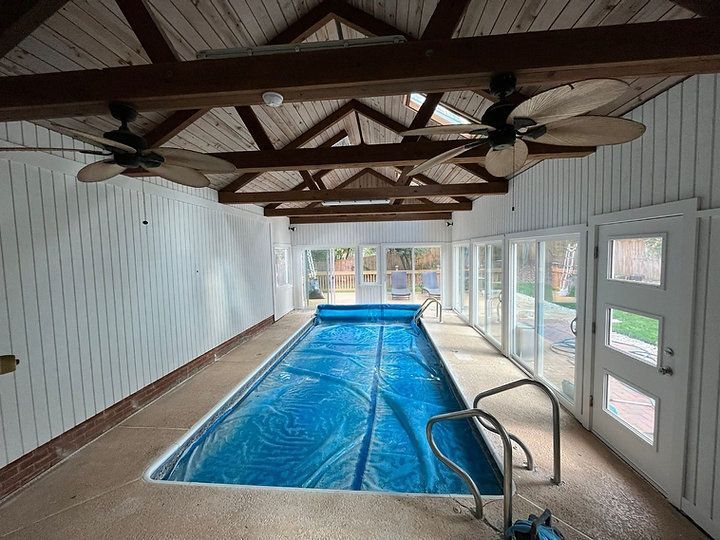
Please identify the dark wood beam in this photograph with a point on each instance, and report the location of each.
(376, 155)
(327, 122)
(665, 48)
(172, 125)
(306, 220)
(306, 25)
(256, 129)
(148, 32)
(704, 8)
(18, 19)
(369, 209)
(362, 21)
(392, 191)
(445, 18)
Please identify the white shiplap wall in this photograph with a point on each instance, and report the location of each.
(382, 232)
(677, 158)
(97, 305)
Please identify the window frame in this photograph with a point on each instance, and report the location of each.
(288, 265)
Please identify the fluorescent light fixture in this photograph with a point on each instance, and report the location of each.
(264, 50)
(353, 203)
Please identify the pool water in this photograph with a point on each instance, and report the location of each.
(344, 408)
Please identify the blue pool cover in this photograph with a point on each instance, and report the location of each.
(345, 408)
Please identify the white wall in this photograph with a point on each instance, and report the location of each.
(677, 158)
(97, 305)
(283, 296)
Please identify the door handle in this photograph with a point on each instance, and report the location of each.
(665, 371)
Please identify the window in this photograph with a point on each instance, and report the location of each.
(634, 335)
(282, 266)
(637, 260)
(369, 265)
(544, 309)
(462, 280)
(443, 115)
(631, 407)
(413, 273)
(489, 290)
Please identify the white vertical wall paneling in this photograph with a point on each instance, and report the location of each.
(97, 305)
(352, 234)
(677, 158)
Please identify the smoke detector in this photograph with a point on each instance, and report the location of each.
(272, 99)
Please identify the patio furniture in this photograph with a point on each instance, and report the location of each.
(398, 285)
(430, 283)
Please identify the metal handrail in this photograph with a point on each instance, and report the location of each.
(555, 410)
(426, 304)
(507, 460)
(529, 460)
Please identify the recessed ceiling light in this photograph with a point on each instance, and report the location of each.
(272, 99)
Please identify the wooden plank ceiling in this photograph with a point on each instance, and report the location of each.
(87, 34)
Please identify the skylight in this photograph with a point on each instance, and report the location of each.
(443, 114)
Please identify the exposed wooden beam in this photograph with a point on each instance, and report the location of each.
(369, 209)
(148, 32)
(20, 17)
(305, 220)
(302, 139)
(704, 8)
(362, 21)
(392, 191)
(376, 155)
(663, 48)
(256, 129)
(445, 18)
(306, 25)
(172, 125)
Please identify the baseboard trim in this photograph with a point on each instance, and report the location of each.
(18, 473)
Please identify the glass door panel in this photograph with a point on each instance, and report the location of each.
(482, 287)
(399, 275)
(317, 277)
(494, 294)
(523, 313)
(342, 284)
(426, 282)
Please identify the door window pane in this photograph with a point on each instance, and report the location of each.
(558, 314)
(399, 264)
(482, 288)
(631, 407)
(637, 259)
(317, 279)
(343, 280)
(524, 301)
(633, 334)
(462, 281)
(494, 295)
(427, 273)
(369, 265)
(282, 266)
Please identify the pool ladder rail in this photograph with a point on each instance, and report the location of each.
(491, 423)
(426, 304)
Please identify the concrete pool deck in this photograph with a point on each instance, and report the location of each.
(99, 492)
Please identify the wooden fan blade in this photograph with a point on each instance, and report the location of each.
(193, 160)
(447, 130)
(591, 131)
(99, 171)
(441, 158)
(181, 175)
(96, 140)
(48, 149)
(569, 100)
(505, 162)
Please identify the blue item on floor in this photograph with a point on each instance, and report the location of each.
(534, 528)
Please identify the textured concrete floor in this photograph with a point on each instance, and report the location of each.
(99, 491)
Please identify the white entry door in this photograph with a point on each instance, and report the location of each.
(642, 343)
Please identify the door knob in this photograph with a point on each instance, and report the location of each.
(665, 370)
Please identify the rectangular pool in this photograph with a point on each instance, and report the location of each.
(343, 406)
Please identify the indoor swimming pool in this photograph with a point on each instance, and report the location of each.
(341, 406)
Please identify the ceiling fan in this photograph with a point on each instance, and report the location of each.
(125, 149)
(551, 117)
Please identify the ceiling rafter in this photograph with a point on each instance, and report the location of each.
(431, 216)
(689, 46)
(19, 19)
(368, 209)
(376, 155)
(704, 8)
(343, 193)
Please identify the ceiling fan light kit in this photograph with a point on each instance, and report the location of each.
(555, 116)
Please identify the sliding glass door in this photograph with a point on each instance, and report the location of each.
(488, 293)
(413, 274)
(329, 276)
(461, 296)
(542, 330)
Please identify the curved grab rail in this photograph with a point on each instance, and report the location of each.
(529, 460)
(426, 304)
(555, 411)
(507, 460)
